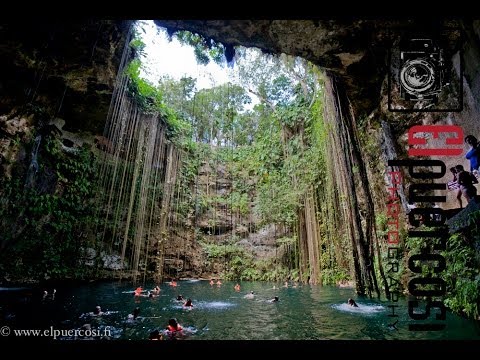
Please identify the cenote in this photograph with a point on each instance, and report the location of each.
(246, 151)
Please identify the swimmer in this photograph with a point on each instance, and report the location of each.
(152, 295)
(250, 296)
(237, 287)
(180, 298)
(138, 291)
(135, 314)
(51, 296)
(98, 311)
(156, 290)
(352, 302)
(275, 299)
(174, 329)
(188, 303)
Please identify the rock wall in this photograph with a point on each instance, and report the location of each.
(212, 221)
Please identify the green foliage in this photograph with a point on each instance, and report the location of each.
(241, 264)
(462, 273)
(145, 94)
(44, 230)
(150, 100)
(239, 202)
(204, 49)
(138, 46)
(275, 154)
(334, 276)
(462, 277)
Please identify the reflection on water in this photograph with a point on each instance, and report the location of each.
(219, 312)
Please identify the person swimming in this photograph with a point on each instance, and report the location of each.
(152, 294)
(48, 296)
(188, 303)
(352, 302)
(174, 329)
(250, 296)
(156, 290)
(275, 299)
(135, 314)
(98, 311)
(138, 291)
(237, 287)
(180, 298)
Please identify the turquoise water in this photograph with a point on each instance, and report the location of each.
(220, 313)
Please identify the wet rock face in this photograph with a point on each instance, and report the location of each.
(67, 67)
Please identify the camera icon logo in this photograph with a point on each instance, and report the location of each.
(425, 70)
(422, 71)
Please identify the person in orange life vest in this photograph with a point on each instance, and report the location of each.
(174, 328)
(138, 291)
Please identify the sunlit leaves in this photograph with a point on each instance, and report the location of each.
(204, 49)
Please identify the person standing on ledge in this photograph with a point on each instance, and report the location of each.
(455, 186)
(466, 181)
(474, 152)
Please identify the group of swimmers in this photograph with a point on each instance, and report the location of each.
(150, 293)
(463, 181)
(212, 282)
(174, 330)
(47, 296)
